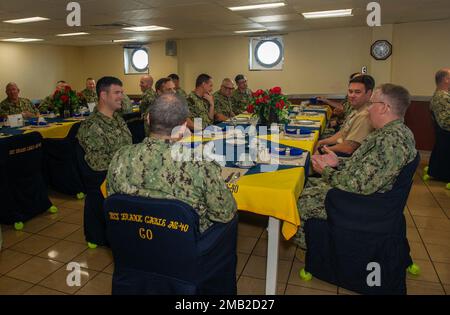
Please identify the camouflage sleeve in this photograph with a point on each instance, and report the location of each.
(3, 111)
(114, 174)
(219, 200)
(126, 105)
(191, 107)
(46, 105)
(92, 140)
(377, 169)
(147, 100)
(30, 107)
(442, 112)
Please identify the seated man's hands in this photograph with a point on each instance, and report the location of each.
(27, 115)
(319, 162)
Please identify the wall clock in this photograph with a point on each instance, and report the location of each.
(381, 50)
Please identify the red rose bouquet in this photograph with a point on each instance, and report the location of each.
(271, 106)
(65, 99)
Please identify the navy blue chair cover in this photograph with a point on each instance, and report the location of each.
(360, 230)
(153, 259)
(61, 167)
(23, 190)
(136, 125)
(94, 221)
(439, 167)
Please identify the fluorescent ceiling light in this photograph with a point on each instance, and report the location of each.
(124, 40)
(72, 34)
(27, 20)
(148, 28)
(22, 40)
(273, 18)
(250, 31)
(258, 6)
(328, 14)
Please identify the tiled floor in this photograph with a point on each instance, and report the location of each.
(34, 261)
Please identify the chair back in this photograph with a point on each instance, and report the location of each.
(26, 191)
(158, 249)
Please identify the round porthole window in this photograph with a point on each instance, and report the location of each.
(268, 53)
(139, 59)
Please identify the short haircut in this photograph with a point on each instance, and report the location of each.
(160, 83)
(354, 75)
(227, 80)
(89, 79)
(367, 80)
(61, 82)
(239, 77)
(441, 75)
(174, 76)
(202, 78)
(399, 97)
(11, 84)
(105, 83)
(167, 112)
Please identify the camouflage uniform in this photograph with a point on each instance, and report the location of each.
(101, 137)
(148, 170)
(148, 98)
(47, 104)
(440, 106)
(181, 93)
(199, 108)
(90, 96)
(24, 105)
(374, 167)
(127, 105)
(241, 100)
(223, 104)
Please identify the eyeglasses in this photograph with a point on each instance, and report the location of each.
(228, 88)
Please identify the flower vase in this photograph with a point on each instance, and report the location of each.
(271, 119)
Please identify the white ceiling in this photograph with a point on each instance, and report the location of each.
(196, 18)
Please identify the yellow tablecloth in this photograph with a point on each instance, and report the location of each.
(307, 145)
(54, 131)
(273, 194)
(321, 118)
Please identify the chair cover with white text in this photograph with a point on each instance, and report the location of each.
(152, 257)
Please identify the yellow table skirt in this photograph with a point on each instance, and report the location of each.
(273, 194)
(54, 131)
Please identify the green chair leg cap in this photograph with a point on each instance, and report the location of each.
(426, 177)
(92, 245)
(448, 186)
(53, 209)
(18, 226)
(414, 270)
(304, 275)
(80, 196)
(426, 169)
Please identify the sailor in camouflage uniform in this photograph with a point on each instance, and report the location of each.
(374, 166)
(242, 95)
(201, 102)
(176, 80)
(150, 170)
(223, 101)
(47, 104)
(89, 93)
(148, 94)
(440, 103)
(14, 104)
(105, 131)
